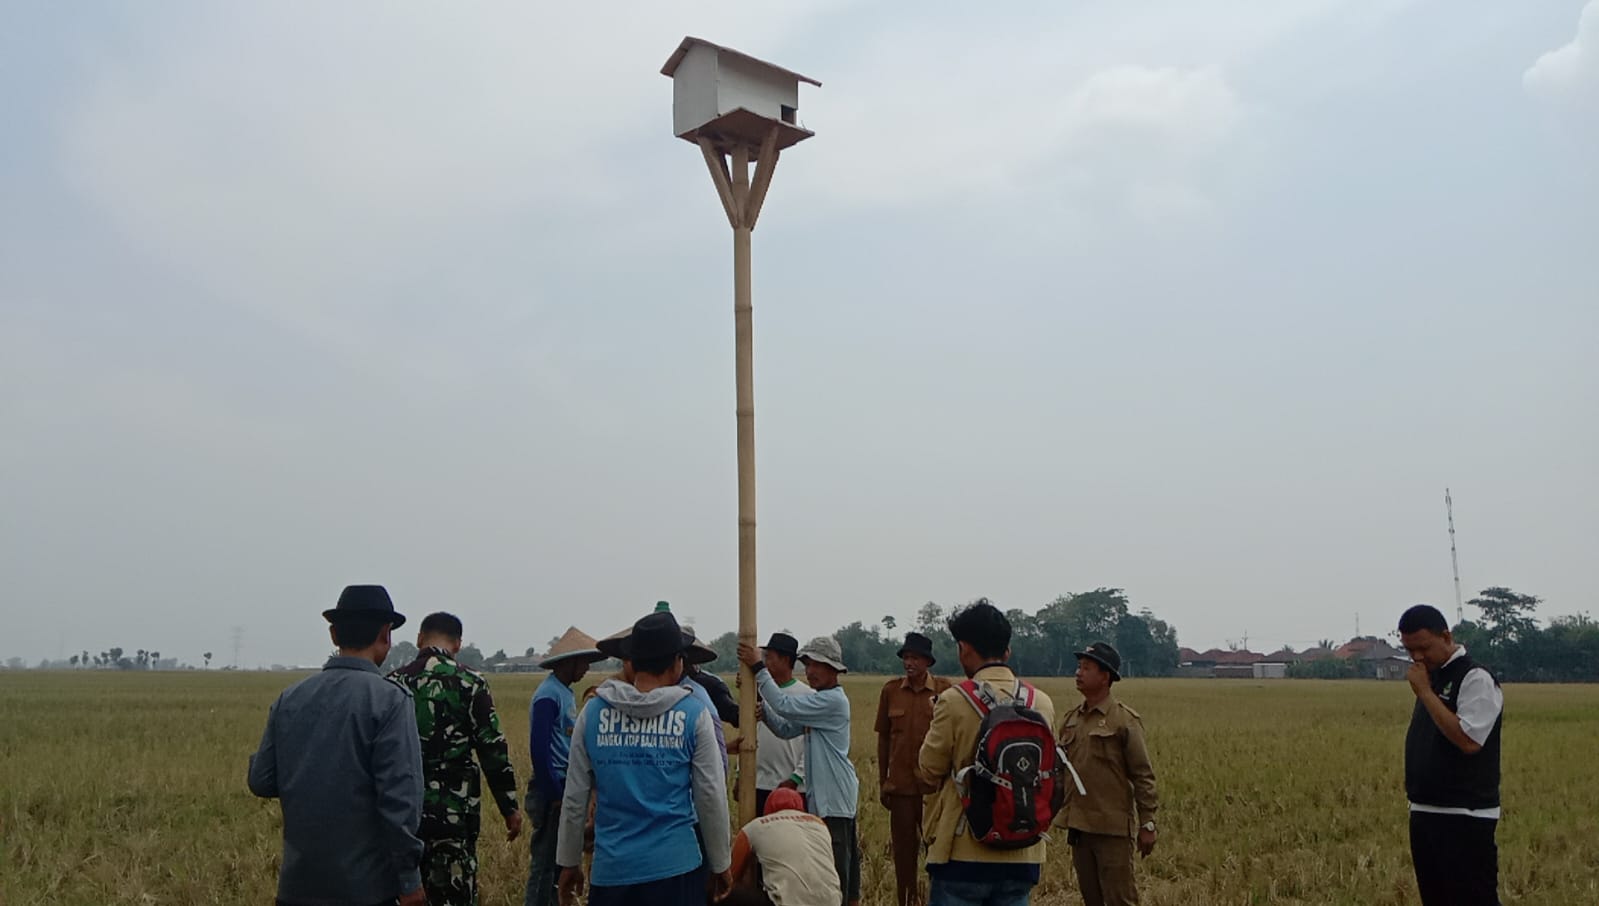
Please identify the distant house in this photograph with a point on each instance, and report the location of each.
(1283, 655)
(518, 665)
(1270, 670)
(1377, 658)
(1218, 662)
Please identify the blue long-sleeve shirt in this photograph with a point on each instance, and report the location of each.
(342, 755)
(831, 788)
(551, 716)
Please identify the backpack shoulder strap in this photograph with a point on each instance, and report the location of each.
(1025, 693)
(974, 697)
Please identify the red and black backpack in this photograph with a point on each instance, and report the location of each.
(1014, 787)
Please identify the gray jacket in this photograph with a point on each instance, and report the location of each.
(342, 755)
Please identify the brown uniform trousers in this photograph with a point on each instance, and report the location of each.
(1106, 745)
(904, 713)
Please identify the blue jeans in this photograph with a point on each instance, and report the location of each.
(978, 893)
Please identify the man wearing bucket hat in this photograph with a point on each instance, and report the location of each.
(904, 712)
(822, 716)
(342, 756)
(647, 752)
(551, 717)
(1105, 740)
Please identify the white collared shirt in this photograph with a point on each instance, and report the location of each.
(1478, 706)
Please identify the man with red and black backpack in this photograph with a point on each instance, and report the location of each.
(985, 848)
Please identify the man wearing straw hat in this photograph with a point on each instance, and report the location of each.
(455, 714)
(551, 717)
(822, 715)
(342, 756)
(647, 752)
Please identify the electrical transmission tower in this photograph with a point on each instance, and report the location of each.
(1454, 558)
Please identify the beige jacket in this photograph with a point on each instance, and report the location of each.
(951, 744)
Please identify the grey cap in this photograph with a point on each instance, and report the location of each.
(824, 649)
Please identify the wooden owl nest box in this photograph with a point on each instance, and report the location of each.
(732, 98)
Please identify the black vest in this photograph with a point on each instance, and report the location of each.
(1436, 771)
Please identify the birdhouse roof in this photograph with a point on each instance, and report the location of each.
(690, 42)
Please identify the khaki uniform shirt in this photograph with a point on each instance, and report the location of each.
(903, 715)
(1106, 745)
(951, 744)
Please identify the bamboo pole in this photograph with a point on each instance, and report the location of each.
(743, 334)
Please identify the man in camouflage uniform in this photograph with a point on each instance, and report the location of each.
(455, 717)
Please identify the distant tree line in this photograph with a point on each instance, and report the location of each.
(109, 659)
(1508, 640)
(1042, 643)
(403, 653)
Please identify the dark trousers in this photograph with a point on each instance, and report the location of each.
(846, 856)
(1104, 864)
(449, 871)
(687, 889)
(748, 895)
(760, 801)
(1456, 859)
(905, 831)
(542, 872)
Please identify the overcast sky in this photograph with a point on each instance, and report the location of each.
(1208, 301)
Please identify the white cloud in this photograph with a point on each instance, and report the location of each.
(1569, 74)
(1133, 137)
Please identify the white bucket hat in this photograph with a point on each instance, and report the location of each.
(824, 649)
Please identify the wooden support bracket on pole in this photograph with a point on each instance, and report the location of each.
(766, 164)
(717, 164)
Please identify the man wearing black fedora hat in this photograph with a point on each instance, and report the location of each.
(1105, 740)
(779, 762)
(342, 756)
(822, 716)
(647, 751)
(904, 712)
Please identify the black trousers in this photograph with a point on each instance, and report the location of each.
(680, 890)
(1456, 859)
(760, 801)
(846, 857)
